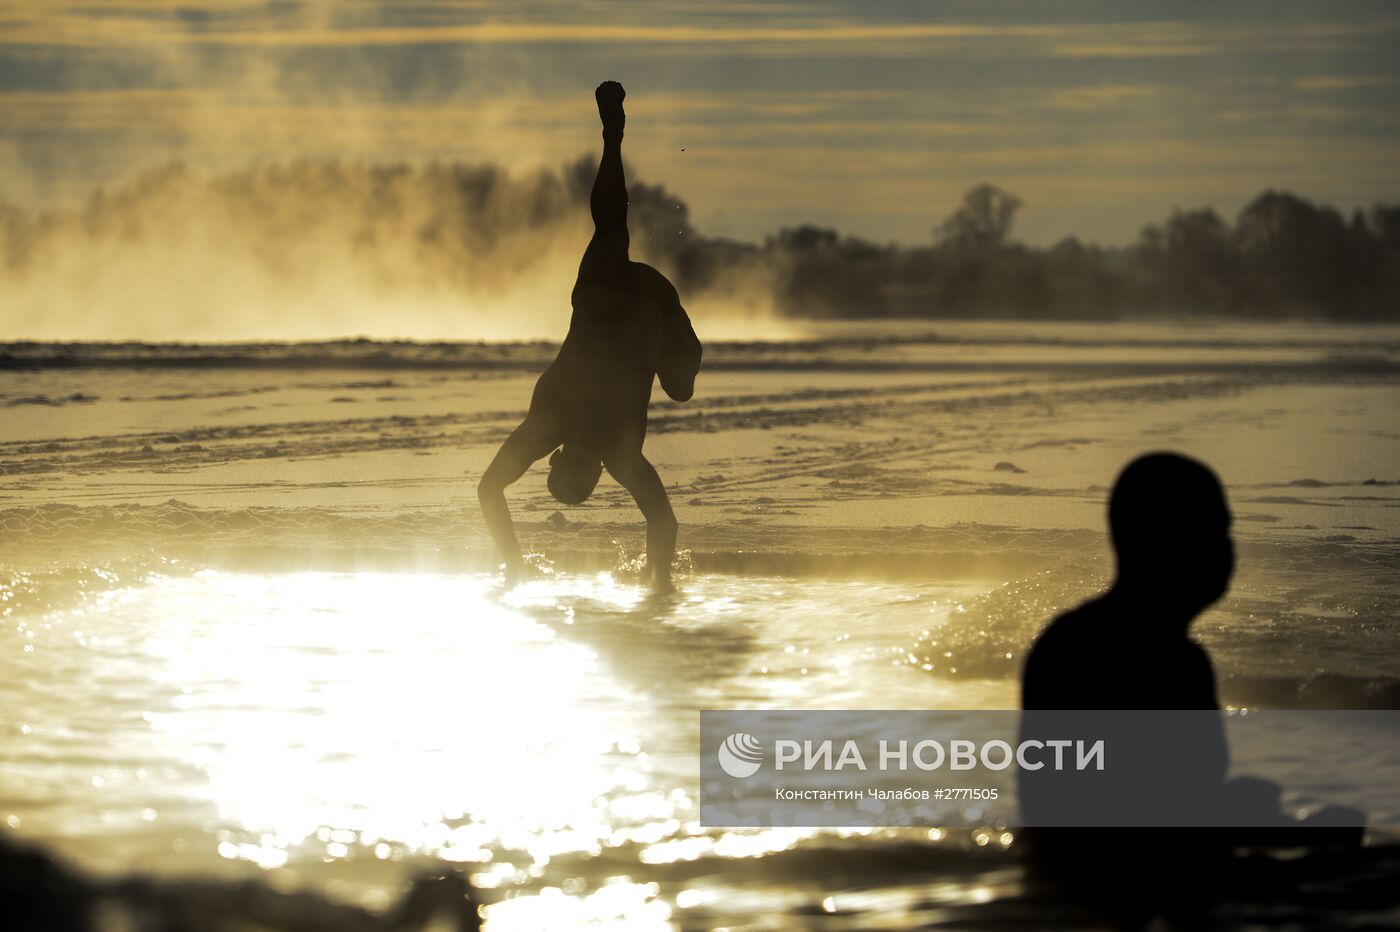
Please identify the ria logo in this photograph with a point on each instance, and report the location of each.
(740, 755)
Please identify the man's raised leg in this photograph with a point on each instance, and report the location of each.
(608, 199)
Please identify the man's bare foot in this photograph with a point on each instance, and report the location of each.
(609, 95)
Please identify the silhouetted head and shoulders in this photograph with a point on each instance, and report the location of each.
(1130, 648)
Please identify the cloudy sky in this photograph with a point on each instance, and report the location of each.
(870, 115)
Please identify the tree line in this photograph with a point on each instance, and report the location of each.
(1281, 257)
(473, 229)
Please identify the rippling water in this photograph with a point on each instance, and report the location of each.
(343, 728)
(340, 731)
(337, 732)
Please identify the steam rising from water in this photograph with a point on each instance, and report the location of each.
(322, 248)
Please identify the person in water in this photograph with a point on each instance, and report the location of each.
(1131, 649)
(590, 406)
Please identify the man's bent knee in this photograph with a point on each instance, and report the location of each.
(489, 486)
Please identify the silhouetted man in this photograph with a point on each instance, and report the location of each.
(1130, 649)
(590, 405)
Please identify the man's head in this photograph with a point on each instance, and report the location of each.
(1171, 531)
(573, 474)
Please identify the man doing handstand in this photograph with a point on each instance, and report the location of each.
(590, 405)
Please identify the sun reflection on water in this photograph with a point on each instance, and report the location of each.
(360, 703)
(341, 731)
